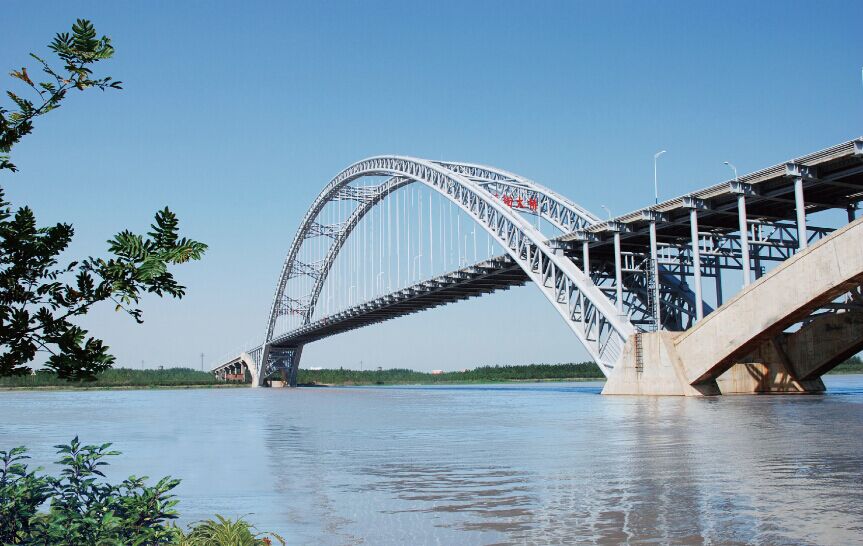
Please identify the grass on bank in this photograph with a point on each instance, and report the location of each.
(117, 377)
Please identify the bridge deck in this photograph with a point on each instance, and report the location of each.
(482, 278)
(835, 181)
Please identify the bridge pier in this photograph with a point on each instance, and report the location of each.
(787, 364)
(650, 365)
(742, 347)
(280, 362)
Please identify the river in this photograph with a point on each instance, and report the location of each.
(543, 463)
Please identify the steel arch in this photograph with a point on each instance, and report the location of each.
(557, 210)
(587, 311)
(553, 207)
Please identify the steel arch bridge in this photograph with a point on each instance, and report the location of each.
(610, 281)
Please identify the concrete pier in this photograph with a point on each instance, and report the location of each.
(742, 348)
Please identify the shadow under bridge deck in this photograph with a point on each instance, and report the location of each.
(498, 273)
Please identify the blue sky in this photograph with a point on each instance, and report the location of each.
(236, 114)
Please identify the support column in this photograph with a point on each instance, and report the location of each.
(654, 272)
(260, 364)
(696, 263)
(295, 366)
(801, 213)
(585, 256)
(618, 277)
(743, 226)
(758, 270)
(718, 283)
(852, 212)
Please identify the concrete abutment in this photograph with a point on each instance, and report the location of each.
(650, 365)
(789, 363)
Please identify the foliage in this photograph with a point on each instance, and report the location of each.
(78, 51)
(116, 377)
(39, 297)
(36, 305)
(483, 374)
(83, 509)
(22, 492)
(225, 532)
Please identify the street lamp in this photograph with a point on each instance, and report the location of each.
(655, 182)
(733, 168)
(607, 210)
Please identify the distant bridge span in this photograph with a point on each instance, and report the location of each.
(613, 282)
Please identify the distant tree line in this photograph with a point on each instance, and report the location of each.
(483, 374)
(852, 365)
(115, 377)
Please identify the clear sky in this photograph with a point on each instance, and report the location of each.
(237, 113)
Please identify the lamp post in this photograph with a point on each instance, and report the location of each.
(733, 168)
(607, 210)
(743, 227)
(655, 181)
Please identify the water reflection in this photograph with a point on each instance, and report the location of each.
(535, 464)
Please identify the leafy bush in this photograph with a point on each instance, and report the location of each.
(82, 509)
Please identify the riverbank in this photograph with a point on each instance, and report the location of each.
(119, 378)
(186, 378)
(124, 387)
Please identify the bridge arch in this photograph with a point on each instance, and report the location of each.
(584, 307)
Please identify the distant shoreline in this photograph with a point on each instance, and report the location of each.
(55, 388)
(456, 382)
(118, 379)
(185, 378)
(51, 388)
(499, 381)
